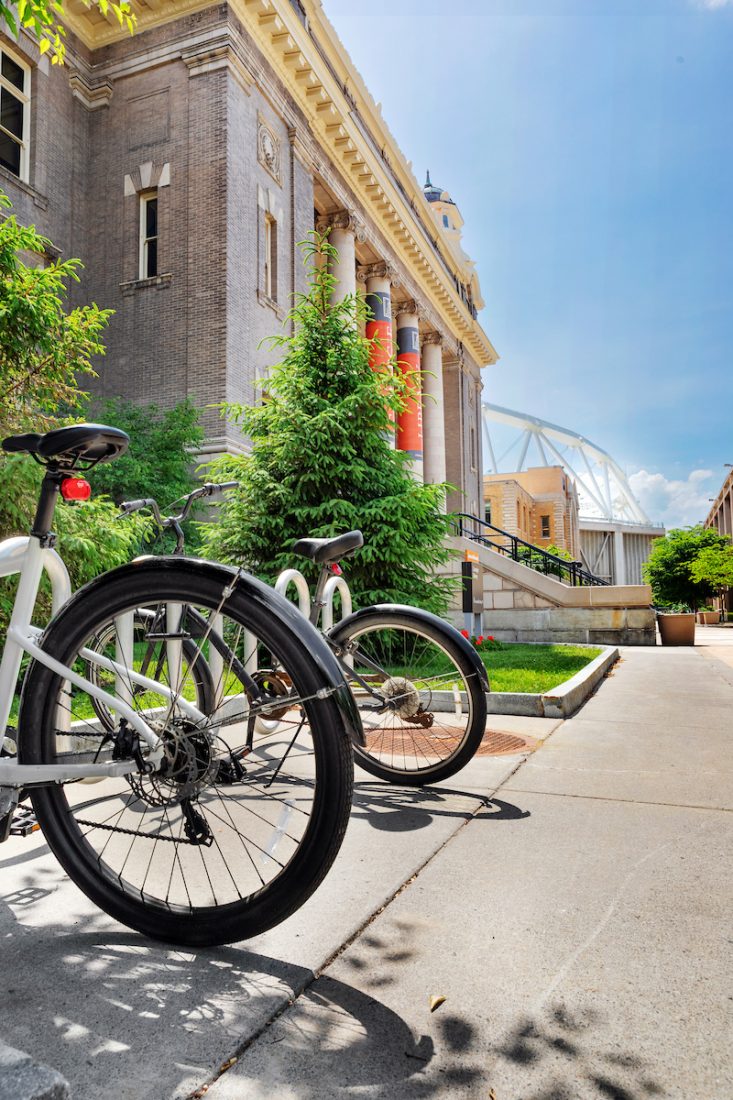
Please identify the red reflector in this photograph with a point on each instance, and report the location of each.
(336, 569)
(75, 488)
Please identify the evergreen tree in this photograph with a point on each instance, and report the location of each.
(322, 463)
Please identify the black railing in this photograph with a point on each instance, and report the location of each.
(486, 534)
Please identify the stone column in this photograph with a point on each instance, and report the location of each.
(453, 401)
(619, 558)
(409, 422)
(433, 410)
(344, 229)
(378, 279)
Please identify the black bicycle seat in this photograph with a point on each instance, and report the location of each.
(328, 551)
(66, 446)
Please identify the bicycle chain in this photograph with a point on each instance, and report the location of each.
(135, 832)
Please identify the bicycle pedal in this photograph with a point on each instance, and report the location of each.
(8, 746)
(23, 822)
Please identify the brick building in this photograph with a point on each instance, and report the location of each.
(184, 164)
(540, 505)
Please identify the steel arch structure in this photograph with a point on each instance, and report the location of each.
(603, 487)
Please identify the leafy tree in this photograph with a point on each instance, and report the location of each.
(158, 462)
(668, 569)
(43, 348)
(714, 566)
(90, 538)
(41, 17)
(321, 460)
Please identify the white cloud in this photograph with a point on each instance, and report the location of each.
(711, 5)
(674, 502)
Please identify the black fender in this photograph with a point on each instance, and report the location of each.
(244, 586)
(418, 615)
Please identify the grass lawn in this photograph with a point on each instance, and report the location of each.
(534, 668)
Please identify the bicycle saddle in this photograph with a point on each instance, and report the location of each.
(328, 551)
(79, 442)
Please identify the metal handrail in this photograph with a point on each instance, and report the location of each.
(524, 552)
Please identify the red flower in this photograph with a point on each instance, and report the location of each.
(464, 633)
(480, 639)
(491, 638)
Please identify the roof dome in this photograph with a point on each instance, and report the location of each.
(430, 191)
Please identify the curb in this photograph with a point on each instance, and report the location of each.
(560, 702)
(23, 1079)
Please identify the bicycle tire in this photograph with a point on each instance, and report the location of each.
(398, 749)
(312, 799)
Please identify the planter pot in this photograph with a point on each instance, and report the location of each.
(708, 618)
(677, 629)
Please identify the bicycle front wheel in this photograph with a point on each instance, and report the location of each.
(235, 828)
(422, 703)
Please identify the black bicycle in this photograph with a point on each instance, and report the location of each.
(419, 685)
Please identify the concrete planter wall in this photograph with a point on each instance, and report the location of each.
(708, 618)
(677, 629)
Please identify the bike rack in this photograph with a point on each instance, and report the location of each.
(294, 576)
(333, 585)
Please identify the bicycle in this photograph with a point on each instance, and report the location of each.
(419, 684)
(169, 810)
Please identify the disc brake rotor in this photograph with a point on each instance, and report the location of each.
(189, 765)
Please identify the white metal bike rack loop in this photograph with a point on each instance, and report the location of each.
(333, 585)
(294, 576)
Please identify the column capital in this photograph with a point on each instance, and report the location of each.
(380, 270)
(433, 338)
(410, 306)
(342, 219)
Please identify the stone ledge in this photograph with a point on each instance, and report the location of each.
(560, 702)
(155, 281)
(23, 1079)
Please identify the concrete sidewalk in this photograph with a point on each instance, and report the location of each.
(575, 925)
(579, 928)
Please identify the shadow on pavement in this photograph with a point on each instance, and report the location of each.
(406, 809)
(337, 1040)
(122, 1016)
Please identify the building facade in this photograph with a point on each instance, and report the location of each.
(184, 164)
(540, 505)
(720, 515)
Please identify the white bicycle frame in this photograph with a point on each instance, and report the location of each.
(25, 555)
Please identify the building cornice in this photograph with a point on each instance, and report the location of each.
(310, 61)
(343, 118)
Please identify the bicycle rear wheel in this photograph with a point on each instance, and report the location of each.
(234, 829)
(421, 700)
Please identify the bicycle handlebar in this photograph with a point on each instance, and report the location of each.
(208, 489)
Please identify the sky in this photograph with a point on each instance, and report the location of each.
(589, 147)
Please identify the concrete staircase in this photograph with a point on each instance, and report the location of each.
(521, 605)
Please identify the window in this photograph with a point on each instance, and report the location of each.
(487, 511)
(149, 235)
(270, 287)
(474, 451)
(545, 527)
(15, 78)
(446, 222)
